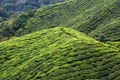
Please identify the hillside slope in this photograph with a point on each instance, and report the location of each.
(97, 18)
(58, 54)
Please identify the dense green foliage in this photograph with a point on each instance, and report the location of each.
(19, 22)
(58, 54)
(97, 18)
(15, 6)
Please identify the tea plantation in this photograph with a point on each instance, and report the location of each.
(58, 54)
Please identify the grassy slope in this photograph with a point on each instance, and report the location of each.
(97, 18)
(58, 54)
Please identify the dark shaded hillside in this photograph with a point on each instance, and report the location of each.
(97, 18)
(15, 6)
(22, 5)
(58, 54)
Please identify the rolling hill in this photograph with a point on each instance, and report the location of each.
(96, 18)
(58, 54)
(72, 40)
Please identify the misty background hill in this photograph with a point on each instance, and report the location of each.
(8, 7)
